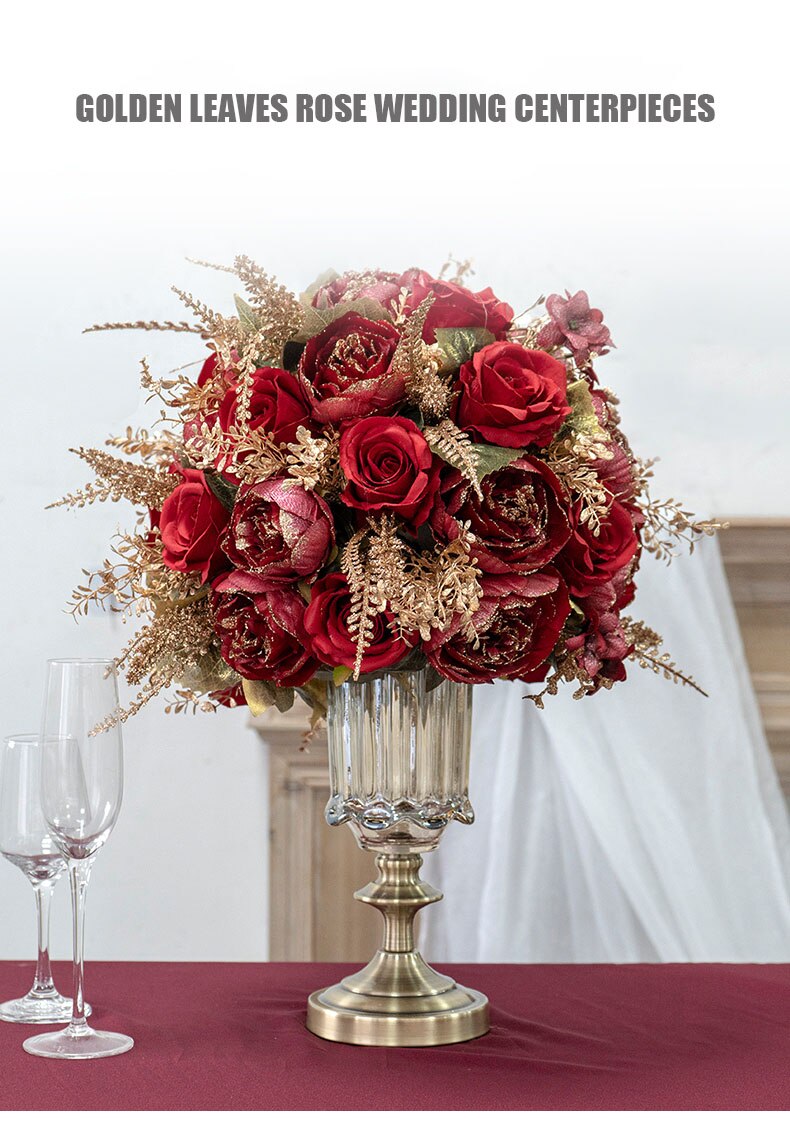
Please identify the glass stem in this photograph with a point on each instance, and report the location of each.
(42, 984)
(79, 875)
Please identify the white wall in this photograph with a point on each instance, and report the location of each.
(678, 232)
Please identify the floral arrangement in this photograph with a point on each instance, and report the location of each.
(387, 472)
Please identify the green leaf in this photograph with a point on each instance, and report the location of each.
(248, 317)
(340, 674)
(316, 319)
(260, 695)
(460, 344)
(582, 419)
(223, 490)
(433, 679)
(489, 458)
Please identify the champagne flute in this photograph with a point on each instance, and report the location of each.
(81, 791)
(26, 842)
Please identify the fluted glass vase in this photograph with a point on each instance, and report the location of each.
(399, 774)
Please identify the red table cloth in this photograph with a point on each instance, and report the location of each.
(221, 1036)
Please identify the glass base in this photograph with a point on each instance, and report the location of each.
(78, 1042)
(54, 1008)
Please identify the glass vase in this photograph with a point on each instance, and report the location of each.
(399, 774)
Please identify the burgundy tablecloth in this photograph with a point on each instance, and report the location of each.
(232, 1036)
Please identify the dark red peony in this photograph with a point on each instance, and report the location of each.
(279, 533)
(346, 367)
(263, 637)
(510, 396)
(518, 624)
(590, 559)
(192, 523)
(389, 465)
(521, 523)
(279, 404)
(455, 306)
(326, 624)
(576, 325)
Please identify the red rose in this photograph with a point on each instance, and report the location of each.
(455, 306)
(346, 367)
(382, 286)
(521, 523)
(262, 637)
(389, 465)
(279, 403)
(326, 625)
(192, 523)
(510, 396)
(589, 560)
(279, 532)
(518, 624)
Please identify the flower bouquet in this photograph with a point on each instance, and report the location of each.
(388, 472)
(378, 494)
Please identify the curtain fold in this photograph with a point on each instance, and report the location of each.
(642, 823)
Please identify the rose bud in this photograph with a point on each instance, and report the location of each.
(522, 521)
(590, 559)
(346, 367)
(510, 396)
(455, 306)
(601, 648)
(389, 465)
(381, 286)
(262, 637)
(518, 624)
(326, 625)
(192, 523)
(279, 533)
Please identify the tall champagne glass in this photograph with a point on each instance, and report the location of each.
(26, 842)
(81, 791)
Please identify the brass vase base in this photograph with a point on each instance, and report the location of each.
(398, 999)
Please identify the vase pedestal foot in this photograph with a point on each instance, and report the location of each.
(398, 999)
(376, 1021)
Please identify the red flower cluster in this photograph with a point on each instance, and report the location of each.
(551, 573)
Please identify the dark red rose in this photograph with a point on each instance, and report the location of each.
(389, 465)
(521, 523)
(279, 533)
(326, 625)
(518, 624)
(601, 649)
(192, 523)
(346, 367)
(589, 560)
(263, 637)
(510, 396)
(575, 324)
(279, 404)
(455, 306)
(382, 286)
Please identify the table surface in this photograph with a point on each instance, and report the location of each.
(221, 1036)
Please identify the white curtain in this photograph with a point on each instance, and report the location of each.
(642, 823)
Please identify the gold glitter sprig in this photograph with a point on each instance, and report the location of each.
(647, 644)
(668, 526)
(455, 447)
(418, 364)
(117, 478)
